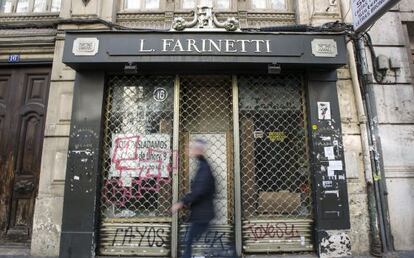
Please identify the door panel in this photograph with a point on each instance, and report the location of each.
(137, 165)
(206, 113)
(275, 176)
(23, 136)
(6, 171)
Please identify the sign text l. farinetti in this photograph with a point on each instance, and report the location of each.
(207, 45)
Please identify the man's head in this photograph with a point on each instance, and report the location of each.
(198, 147)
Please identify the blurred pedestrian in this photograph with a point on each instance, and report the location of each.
(200, 199)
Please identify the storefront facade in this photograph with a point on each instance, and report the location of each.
(265, 102)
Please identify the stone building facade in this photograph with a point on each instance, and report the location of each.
(32, 44)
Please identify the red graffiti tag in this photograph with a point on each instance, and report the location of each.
(276, 230)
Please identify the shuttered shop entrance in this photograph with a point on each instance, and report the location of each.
(149, 123)
(275, 178)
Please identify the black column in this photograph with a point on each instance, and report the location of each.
(328, 168)
(82, 172)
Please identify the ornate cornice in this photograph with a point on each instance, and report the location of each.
(15, 18)
(161, 20)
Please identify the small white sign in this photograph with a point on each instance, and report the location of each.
(85, 46)
(140, 155)
(324, 110)
(324, 48)
(160, 94)
(329, 152)
(335, 165)
(258, 134)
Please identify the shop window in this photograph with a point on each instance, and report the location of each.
(141, 5)
(268, 5)
(217, 4)
(29, 6)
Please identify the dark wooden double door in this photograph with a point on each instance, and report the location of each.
(23, 102)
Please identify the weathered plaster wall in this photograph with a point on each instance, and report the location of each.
(395, 106)
(357, 196)
(49, 203)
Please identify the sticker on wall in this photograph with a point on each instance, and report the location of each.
(160, 94)
(329, 152)
(324, 110)
(277, 136)
(258, 134)
(335, 165)
(327, 184)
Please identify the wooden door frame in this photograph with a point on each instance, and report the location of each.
(28, 107)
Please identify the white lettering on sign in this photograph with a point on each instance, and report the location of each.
(211, 45)
(364, 10)
(141, 155)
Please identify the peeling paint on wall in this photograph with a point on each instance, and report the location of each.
(335, 244)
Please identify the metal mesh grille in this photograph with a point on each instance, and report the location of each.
(206, 113)
(274, 160)
(137, 147)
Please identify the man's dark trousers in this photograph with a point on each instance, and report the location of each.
(194, 233)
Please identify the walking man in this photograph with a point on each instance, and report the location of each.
(200, 199)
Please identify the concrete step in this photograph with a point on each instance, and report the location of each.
(14, 249)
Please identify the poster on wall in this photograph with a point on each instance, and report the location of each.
(140, 155)
(324, 110)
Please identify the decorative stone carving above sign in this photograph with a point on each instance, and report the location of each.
(85, 46)
(205, 19)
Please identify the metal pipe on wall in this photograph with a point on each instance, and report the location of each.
(362, 118)
(375, 247)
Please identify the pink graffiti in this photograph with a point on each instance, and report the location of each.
(273, 230)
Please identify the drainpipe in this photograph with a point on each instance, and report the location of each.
(376, 152)
(362, 118)
(376, 246)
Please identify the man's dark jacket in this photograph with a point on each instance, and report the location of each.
(201, 196)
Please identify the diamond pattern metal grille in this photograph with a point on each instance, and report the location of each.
(137, 147)
(275, 176)
(206, 113)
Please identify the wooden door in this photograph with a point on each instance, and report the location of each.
(23, 103)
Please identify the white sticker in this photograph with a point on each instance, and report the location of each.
(258, 134)
(327, 184)
(326, 138)
(335, 165)
(324, 110)
(302, 240)
(329, 152)
(331, 172)
(76, 177)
